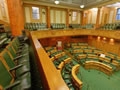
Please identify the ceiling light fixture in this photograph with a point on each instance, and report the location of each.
(57, 2)
(82, 5)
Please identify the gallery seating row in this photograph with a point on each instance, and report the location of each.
(58, 26)
(15, 66)
(88, 26)
(78, 26)
(35, 26)
(111, 26)
(43, 26)
(74, 26)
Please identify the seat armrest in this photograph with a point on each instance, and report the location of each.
(20, 51)
(22, 44)
(20, 47)
(18, 57)
(12, 85)
(14, 68)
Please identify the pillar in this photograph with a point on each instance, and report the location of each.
(16, 16)
(98, 18)
(48, 17)
(67, 18)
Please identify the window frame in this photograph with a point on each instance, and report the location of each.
(36, 20)
(74, 15)
(118, 14)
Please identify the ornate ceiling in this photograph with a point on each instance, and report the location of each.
(77, 3)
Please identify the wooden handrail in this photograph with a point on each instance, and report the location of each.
(51, 78)
(58, 33)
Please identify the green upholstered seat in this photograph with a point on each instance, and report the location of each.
(68, 68)
(19, 58)
(67, 81)
(56, 63)
(66, 76)
(6, 80)
(5, 77)
(21, 49)
(71, 88)
(20, 69)
(24, 82)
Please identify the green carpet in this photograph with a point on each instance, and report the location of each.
(96, 80)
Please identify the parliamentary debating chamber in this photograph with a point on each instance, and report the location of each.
(59, 44)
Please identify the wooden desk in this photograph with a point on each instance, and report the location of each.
(67, 60)
(75, 79)
(99, 66)
(82, 56)
(61, 65)
(87, 50)
(77, 51)
(104, 59)
(92, 56)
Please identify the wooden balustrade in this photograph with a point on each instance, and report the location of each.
(51, 78)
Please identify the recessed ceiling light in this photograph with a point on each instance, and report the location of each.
(57, 2)
(82, 6)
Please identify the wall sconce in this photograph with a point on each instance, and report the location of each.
(98, 38)
(104, 39)
(111, 41)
